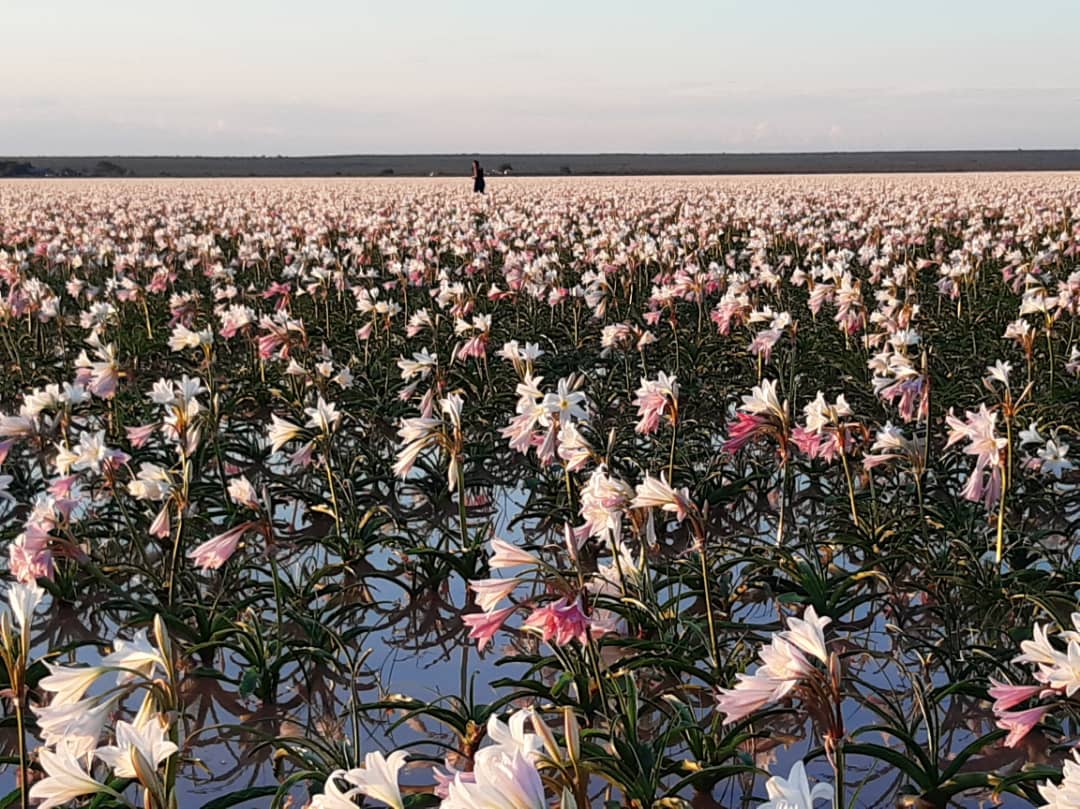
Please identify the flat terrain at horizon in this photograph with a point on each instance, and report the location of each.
(555, 164)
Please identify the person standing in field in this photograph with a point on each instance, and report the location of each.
(477, 177)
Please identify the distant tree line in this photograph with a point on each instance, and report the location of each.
(24, 168)
(14, 168)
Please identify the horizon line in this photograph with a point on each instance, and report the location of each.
(340, 155)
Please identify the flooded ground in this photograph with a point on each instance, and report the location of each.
(650, 490)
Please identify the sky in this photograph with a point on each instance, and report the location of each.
(234, 77)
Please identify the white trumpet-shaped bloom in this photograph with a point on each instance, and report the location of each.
(378, 778)
(794, 792)
(65, 779)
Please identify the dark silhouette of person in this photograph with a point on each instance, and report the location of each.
(477, 177)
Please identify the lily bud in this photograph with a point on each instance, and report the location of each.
(544, 732)
(572, 733)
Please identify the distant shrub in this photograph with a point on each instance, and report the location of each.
(386, 172)
(106, 168)
(11, 168)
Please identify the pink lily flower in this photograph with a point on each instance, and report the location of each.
(484, 625)
(216, 551)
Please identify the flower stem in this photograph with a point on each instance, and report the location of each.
(847, 474)
(674, 436)
(181, 507)
(20, 729)
(1006, 475)
(463, 525)
(714, 646)
(838, 788)
(333, 492)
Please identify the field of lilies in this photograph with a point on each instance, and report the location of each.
(618, 493)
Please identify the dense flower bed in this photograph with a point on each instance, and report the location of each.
(646, 493)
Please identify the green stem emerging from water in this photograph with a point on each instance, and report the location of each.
(1006, 475)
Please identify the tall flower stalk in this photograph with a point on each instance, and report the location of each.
(15, 648)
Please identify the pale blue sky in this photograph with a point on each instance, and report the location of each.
(334, 76)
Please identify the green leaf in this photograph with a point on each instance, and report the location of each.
(240, 796)
(249, 681)
(420, 800)
(903, 763)
(969, 751)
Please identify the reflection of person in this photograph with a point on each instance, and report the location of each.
(477, 177)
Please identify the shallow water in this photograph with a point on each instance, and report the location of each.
(932, 608)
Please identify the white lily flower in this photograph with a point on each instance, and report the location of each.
(794, 792)
(378, 778)
(332, 797)
(24, 599)
(324, 416)
(69, 683)
(66, 779)
(137, 656)
(148, 740)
